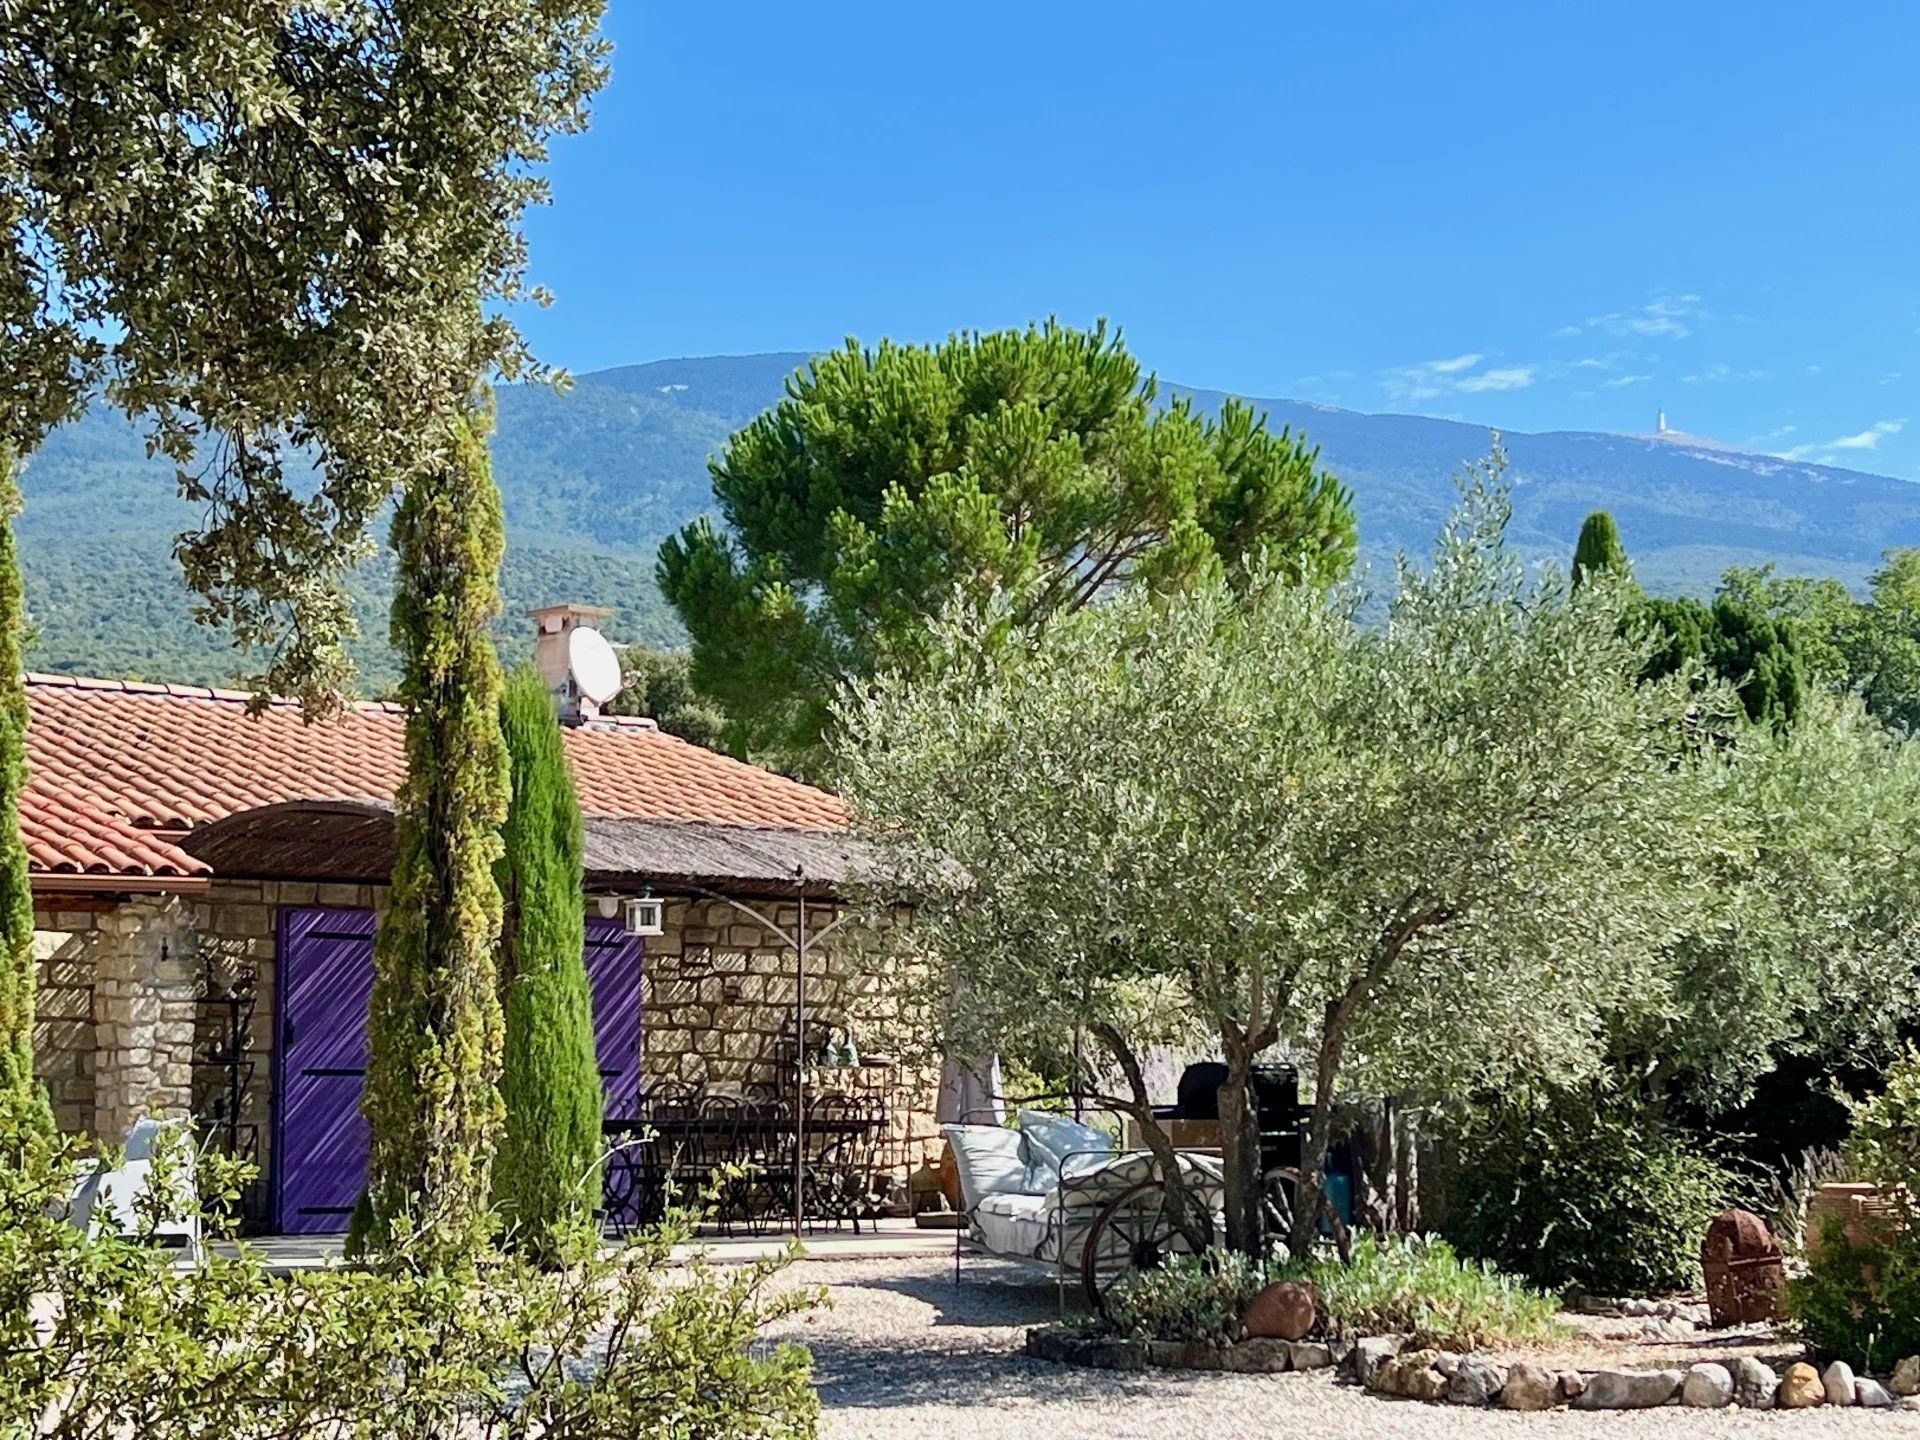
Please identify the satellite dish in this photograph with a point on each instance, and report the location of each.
(593, 666)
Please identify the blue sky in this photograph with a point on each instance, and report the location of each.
(1540, 216)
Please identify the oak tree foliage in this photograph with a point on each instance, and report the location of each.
(1869, 647)
(269, 231)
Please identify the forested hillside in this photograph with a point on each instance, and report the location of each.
(594, 478)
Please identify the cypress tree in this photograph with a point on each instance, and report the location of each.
(432, 1097)
(23, 1105)
(545, 1179)
(1598, 548)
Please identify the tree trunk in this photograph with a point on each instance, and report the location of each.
(1387, 1201)
(1240, 1153)
(1313, 1158)
(1406, 1163)
(1189, 1216)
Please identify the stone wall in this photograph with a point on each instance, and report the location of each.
(719, 1000)
(124, 1024)
(127, 1021)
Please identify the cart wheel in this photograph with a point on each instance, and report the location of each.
(1133, 1231)
(1283, 1189)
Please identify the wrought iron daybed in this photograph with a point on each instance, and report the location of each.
(1107, 1212)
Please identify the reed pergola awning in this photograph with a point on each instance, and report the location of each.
(351, 841)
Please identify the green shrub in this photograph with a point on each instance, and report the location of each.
(1417, 1285)
(1858, 1303)
(546, 1180)
(1597, 1195)
(1186, 1297)
(1884, 1143)
(106, 1336)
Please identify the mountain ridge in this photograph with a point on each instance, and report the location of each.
(594, 477)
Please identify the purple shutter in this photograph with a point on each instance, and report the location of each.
(320, 1149)
(613, 970)
(326, 979)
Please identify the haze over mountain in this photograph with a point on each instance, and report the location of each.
(594, 478)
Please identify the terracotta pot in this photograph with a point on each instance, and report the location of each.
(949, 1176)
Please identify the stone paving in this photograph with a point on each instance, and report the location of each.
(904, 1352)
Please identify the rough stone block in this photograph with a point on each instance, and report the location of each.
(1628, 1389)
(1530, 1387)
(1706, 1387)
(1801, 1387)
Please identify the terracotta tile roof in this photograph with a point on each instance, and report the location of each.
(120, 768)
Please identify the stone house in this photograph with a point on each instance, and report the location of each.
(207, 884)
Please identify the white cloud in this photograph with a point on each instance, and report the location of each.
(1719, 374)
(1826, 452)
(1432, 378)
(1619, 380)
(1664, 317)
(1869, 438)
(1511, 377)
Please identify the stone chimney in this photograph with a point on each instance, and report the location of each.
(552, 625)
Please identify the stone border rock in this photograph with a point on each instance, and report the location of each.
(1385, 1365)
(1069, 1346)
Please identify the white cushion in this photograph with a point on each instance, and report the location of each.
(1051, 1139)
(989, 1159)
(1014, 1225)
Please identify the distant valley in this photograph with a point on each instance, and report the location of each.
(594, 478)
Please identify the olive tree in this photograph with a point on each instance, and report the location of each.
(1803, 939)
(1417, 856)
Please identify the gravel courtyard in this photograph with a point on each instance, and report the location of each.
(903, 1352)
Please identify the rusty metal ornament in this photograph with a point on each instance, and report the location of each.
(1745, 1280)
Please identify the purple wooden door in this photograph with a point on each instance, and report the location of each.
(320, 1149)
(326, 978)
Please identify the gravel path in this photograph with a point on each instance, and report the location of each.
(904, 1354)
